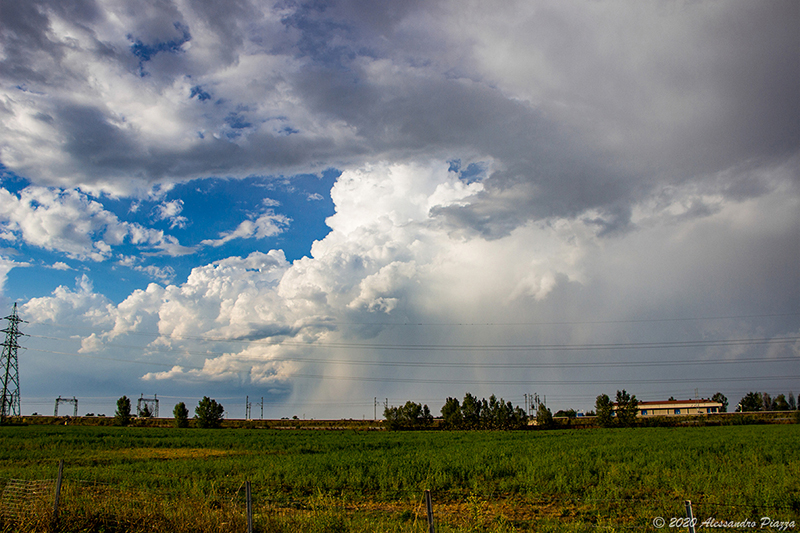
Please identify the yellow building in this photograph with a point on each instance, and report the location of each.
(679, 407)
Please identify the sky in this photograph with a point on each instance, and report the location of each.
(325, 206)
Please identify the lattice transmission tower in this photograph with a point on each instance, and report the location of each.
(9, 364)
(147, 407)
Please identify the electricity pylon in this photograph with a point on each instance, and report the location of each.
(10, 367)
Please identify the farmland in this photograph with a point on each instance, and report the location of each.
(164, 479)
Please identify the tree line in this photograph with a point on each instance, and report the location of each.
(762, 401)
(207, 414)
(470, 413)
(622, 411)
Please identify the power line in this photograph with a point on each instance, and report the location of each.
(431, 364)
(560, 323)
(537, 382)
(457, 381)
(549, 347)
(491, 324)
(516, 347)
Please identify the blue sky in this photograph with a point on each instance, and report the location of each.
(323, 203)
(192, 212)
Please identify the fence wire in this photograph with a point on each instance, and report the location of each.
(24, 498)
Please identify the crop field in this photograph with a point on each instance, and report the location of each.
(193, 480)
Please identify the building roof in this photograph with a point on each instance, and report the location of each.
(676, 403)
(682, 402)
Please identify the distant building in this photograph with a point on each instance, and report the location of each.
(679, 407)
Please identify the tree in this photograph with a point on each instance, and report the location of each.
(520, 418)
(752, 401)
(719, 397)
(504, 417)
(410, 415)
(792, 403)
(451, 414)
(392, 417)
(605, 411)
(766, 399)
(627, 408)
(780, 403)
(492, 413)
(485, 420)
(181, 415)
(544, 418)
(427, 417)
(208, 413)
(123, 415)
(471, 411)
(145, 412)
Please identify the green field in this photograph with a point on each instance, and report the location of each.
(155, 479)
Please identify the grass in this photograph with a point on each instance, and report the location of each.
(158, 479)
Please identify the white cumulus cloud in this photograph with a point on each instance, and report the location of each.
(70, 222)
(266, 225)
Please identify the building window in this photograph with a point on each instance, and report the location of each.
(644, 412)
(677, 411)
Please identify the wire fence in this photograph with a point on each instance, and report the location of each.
(72, 504)
(24, 498)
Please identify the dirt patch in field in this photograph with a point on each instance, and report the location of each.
(471, 513)
(166, 453)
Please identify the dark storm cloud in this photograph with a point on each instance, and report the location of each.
(90, 137)
(23, 33)
(756, 75)
(694, 93)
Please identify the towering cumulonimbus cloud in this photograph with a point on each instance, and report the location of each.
(393, 274)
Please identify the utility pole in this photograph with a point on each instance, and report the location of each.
(262, 408)
(10, 367)
(247, 407)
